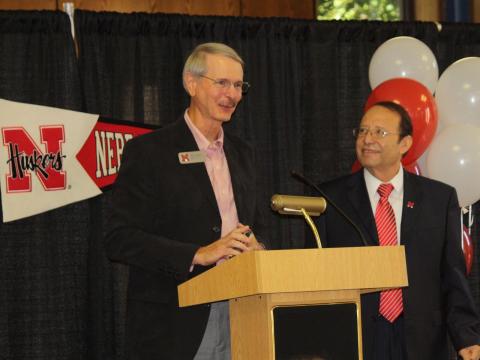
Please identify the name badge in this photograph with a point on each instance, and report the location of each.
(191, 157)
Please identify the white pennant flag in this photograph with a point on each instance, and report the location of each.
(39, 170)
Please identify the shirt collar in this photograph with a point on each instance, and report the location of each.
(202, 142)
(373, 183)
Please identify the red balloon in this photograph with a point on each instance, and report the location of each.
(356, 166)
(419, 103)
(467, 246)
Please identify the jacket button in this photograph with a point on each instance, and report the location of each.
(216, 229)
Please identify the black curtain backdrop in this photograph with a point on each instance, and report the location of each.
(61, 298)
(43, 259)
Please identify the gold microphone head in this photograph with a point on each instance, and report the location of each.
(292, 204)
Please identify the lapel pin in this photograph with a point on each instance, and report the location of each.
(410, 204)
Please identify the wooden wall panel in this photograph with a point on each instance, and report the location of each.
(28, 5)
(192, 7)
(297, 9)
(476, 11)
(199, 7)
(110, 5)
(300, 9)
(427, 10)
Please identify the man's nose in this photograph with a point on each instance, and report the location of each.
(233, 93)
(368, 138)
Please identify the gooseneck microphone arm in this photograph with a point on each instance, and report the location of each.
(303, 179)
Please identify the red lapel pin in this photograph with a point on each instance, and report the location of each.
(410, 204)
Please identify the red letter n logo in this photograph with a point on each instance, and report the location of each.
(25, 157)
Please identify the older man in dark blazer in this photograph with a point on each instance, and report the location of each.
(183, 201)
(437, 302)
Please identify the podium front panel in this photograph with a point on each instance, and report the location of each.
(314, 332)
(254, 321)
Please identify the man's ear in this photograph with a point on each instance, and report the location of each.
(406, 144)
(190, 83)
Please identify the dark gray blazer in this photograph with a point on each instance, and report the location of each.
(161, 213)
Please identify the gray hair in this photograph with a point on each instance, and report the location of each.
(196, 64)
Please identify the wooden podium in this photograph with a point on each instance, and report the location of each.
(257, 282)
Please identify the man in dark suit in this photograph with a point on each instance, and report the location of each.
(426, 220)
(180, 203)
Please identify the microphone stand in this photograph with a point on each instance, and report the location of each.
(309, 220)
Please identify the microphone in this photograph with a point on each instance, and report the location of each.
(291, 204)
(303, 179)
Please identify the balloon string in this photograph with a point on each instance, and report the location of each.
(470, 219)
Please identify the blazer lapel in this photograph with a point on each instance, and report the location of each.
(238, 184)
(195, 174)
(412, 196)
(358, 197)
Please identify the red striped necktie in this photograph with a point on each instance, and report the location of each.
(391, 304)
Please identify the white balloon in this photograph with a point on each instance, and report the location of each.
(454, 158)
(406, 57)
(458, 93)
(422, 160)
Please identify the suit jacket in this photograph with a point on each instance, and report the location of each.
(161, 213)
(437, 299)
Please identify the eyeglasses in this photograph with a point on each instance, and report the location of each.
(225, 84)
(376, 133)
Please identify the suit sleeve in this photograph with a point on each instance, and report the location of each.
(462, 317)
(131, 234)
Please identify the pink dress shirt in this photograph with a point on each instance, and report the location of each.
(217, 169)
